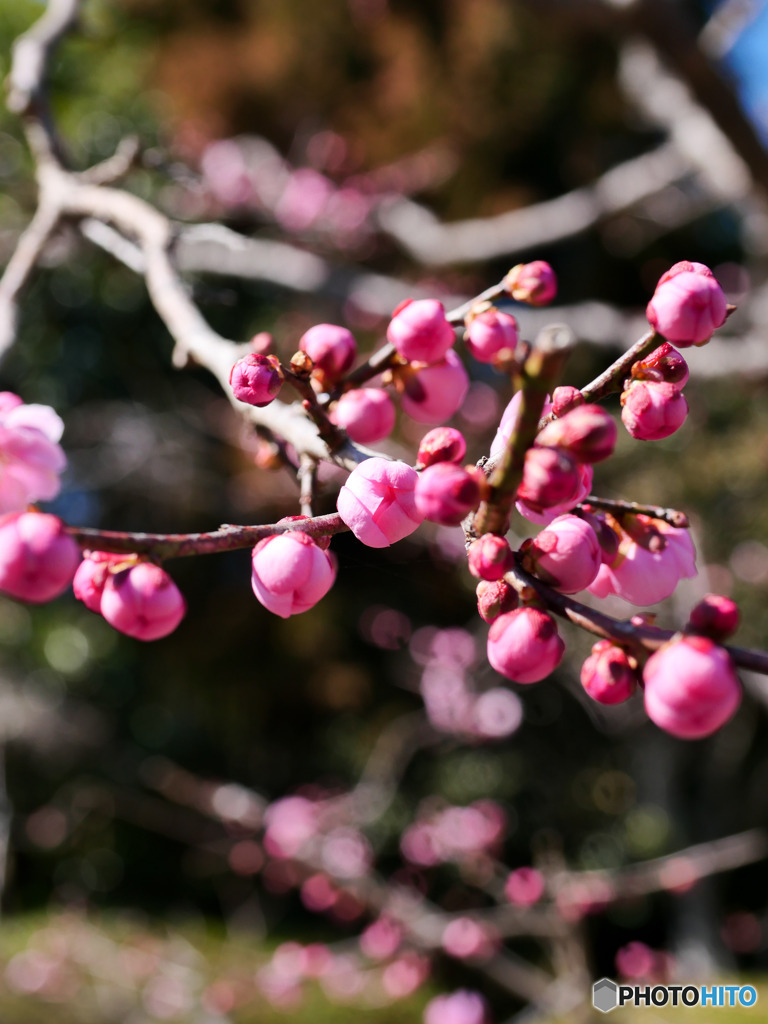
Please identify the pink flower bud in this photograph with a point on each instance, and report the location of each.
(331, 348)
(443, 444)
(687, 307)
(651, 411)
(649, 563)
(664, 365)
(460, 1007)
(420, 332)
(378, 502)
(588, 433)
(550, 477)
(445, 493)
(524, 645)
(607, 675)
(524, 887)
(584, 475)
(691, 688)
(566, 398)
(489, 333)
(489, 557)
(367, 414)
(566, 554)
(494, 598)
(38, 558)
(142, 602)
(534, 283)
(91, 576)
(715, 616)
(434, 393)
(290, 573)
(255, 379)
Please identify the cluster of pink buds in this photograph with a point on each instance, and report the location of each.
(432, 381)
(137, 598)
(687, 306)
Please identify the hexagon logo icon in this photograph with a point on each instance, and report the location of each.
(605, 995)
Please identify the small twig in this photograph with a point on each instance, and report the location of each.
(116, 166)
(642, 639)
(672, 516)
(307, 476)
(179, 545)
(380, 361)
(299, 379)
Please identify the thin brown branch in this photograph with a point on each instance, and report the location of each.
(672, 516)
(642, 639)
(180, 545)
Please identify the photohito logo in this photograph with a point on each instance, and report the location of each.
(607, 995)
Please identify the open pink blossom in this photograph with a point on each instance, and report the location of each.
(524, 645)
(91, 576)
(331, 348)
(445, 493)
(38, 558)
(460, 1007)
(649, 563)
(687, 306)
(432, 394)
(489, 333)
(653, 410)
(378, 502)
(367, 414)
(290, 573)
(31, 460)
(566, 555)
(607, 675)
(691, 688)
(420, 331)
(143, 602)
